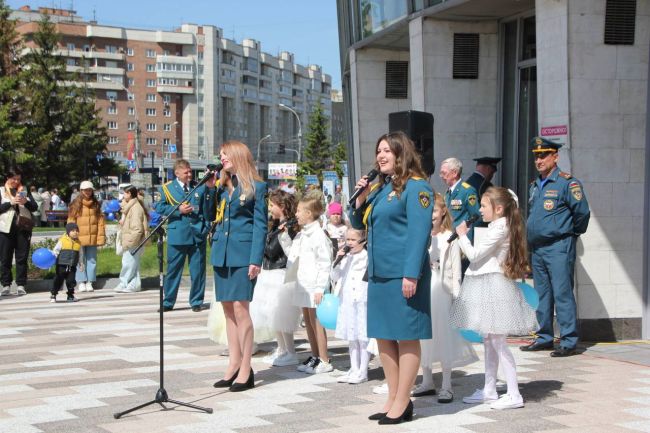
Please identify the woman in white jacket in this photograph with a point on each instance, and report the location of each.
(308, 266)
(447, 346)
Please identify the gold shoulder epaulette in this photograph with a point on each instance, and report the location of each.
(168, 195)
(566, 175)
(466, 185)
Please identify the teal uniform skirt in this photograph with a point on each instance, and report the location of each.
(233, 284)
(393, 317)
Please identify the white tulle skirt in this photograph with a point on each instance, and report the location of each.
(492, 304)
(447, 346)
(351, 321)
(272, 309)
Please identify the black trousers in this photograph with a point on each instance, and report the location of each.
(67, 274)
(16, 242)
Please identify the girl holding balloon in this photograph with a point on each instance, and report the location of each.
(490, 302)
(86, 212)
(350, 280)
(308, 265)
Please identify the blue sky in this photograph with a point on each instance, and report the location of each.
(306, 28)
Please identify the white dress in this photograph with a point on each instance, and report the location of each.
(348, 278)
(489, 302)
(447, 345)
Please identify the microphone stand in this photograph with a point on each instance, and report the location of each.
(161, 395)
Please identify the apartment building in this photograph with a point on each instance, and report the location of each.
(182, 93)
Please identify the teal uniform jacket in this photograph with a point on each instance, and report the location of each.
(463, 203)
(189, 229)
(240, 234)
(399, 229)
(557, 209)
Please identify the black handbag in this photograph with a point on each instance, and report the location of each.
(24, 223)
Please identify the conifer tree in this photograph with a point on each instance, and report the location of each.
(317, 155)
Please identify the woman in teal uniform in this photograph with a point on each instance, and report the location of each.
(397, 211)
(237, 252)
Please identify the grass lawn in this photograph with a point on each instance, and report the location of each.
(109, 264)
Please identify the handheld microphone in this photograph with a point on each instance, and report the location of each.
(346, 249)
(290, 222)
(215, 167)
(372, 174)
(469, 223)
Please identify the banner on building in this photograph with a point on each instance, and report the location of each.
(330, 176)
(282, 171)
(311, 179)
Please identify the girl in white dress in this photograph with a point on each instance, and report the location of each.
(447, 346)
(350, 280)
(490, 302)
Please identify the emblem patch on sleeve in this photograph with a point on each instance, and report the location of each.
(471, 199)
(549, 205)
(577, 193)
(425, 199)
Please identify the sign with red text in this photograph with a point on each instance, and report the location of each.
(553, 130)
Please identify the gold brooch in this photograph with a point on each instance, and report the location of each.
(242, 199)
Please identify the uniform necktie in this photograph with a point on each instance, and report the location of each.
(185, 188)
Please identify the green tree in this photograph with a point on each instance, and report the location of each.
(65, 138)
(317, 155)
(11, 100)
(340, 156)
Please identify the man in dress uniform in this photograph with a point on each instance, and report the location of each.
(461, 197)
(558, 214)
(481, 179)
(187, 229)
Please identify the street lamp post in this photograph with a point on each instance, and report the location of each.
(259, 144)
(286, 107)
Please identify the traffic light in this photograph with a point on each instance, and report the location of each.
(281, 149)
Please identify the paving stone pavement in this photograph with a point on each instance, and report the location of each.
(69, 367)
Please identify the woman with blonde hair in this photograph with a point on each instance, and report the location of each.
(397, 211)
(86, 212)
(237, 253)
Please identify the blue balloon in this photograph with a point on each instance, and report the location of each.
(43, 258)
(471, 336)
(327, 311)
(154, 218)
(110, 216)
(530, 294)
(113, 206)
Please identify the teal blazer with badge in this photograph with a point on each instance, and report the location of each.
(189, 229)
(241, 227)
(399, 248)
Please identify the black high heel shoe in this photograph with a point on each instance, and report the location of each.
(377, 416)
(406, 416)
(250, 383)
(226, 383)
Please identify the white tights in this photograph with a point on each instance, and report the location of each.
(496, 349)
(285, 342)
(427, 378)
(359, 357)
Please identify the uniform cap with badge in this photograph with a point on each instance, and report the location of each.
(542, 145)
(488, 160)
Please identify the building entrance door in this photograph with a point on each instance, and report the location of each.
(519, 105)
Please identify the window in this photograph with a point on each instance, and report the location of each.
(111, 49)
(131, 126)
(167, 99)
(71, 46)
(111, 95)
(151, 141)
(151, 97)
(227, 73)
(167, 127)
(165, 52)
(150, 53)
(250, 64)
(113, 140)
(151, 126)
(246, 79)
(129, 52)
(131, 111)
(130, 96)
(115, 155)
(151, 111)
(112, 125)
(111, 109)
(130, 67)
(228, 58)
(131, 82)
(151, 83)
(200, 55)
(71, 62)
(167, 112)
(151, 67)
(167, 141)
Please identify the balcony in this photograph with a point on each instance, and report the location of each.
(104, 70)
(93, 54)
(186, 90)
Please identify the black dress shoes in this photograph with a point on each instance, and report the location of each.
(535, 346)
(377, 416)
(561, 352)
(406, 416)
(250, 383)
(196, 308)
(424, 393)
(166, 309)
(226, 383)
